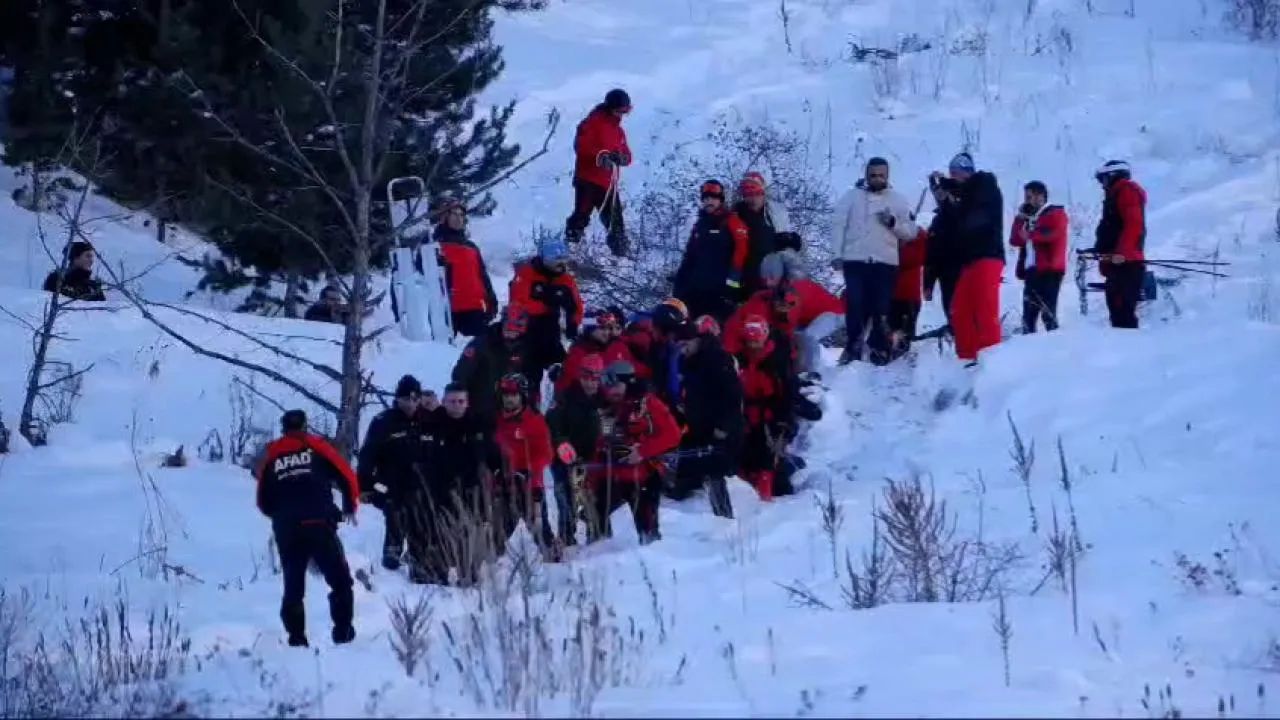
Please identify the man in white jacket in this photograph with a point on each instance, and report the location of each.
(869, 224)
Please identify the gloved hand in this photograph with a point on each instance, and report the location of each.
(539, 291)
(1020, 270)
(886, 218)
(609, 160)
(570, 333)
(566, 453)
(553, 372)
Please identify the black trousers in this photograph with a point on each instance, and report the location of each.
(512, 504)
(903, 316)
(868, 290)
(587, 198)
(643, 497)
(1123, 289)
(394, 543)
(1040, 299)
(566, 497)
(300, 545)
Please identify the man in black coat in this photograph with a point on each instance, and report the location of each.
(390, 464)
(76, 280)
(712, 408)
(576, 429)
(455, 536)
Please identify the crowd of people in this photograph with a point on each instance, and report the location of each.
(709, 384)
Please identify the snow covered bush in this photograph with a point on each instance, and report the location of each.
(1259, 19)
(660, 215)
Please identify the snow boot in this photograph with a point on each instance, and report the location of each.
(391, 563)
(618, 244)
(343, 634)
(298, 641)
(718, 494)
(649, 537)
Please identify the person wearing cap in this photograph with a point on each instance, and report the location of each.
(637, 430)
(505, 347)
(391, 462)
(75, 279)
(709, 279)
(545, 288)
(600, 152)
(601, 335)
(1120, 238)
(753, 209)
(769, 390)
(712, 410)
(296, 478)
(574, 421)
(524, 444)
(871, 221)
(977, 248)
(472, 302)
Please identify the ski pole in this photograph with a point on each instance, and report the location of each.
(1186, 269)
(1188, 262)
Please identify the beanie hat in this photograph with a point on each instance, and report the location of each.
(751, 186)
(293, 421)
(712, 188)
(756, 176)
(408, 387)
(617, 99)
(77, 248)
(963, 161)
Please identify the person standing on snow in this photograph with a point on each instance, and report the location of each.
(638, 429)
(601, 335)
(390, 461)
(295, 490)
(574, 421)
(869, 224)
(524, 442)
(503, 348)
(904, 308)
(979, 246)
(544, 288)
(650, 340)
(1040, 233)
(769, 391)
(712, 409)
(472, 301)
(1121, 237)
(458, 472)
(942, 255)
(600, 152)
(753, 210)
(709, 279)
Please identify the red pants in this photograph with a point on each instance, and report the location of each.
(975, 310)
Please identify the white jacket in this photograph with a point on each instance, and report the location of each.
(857, 233)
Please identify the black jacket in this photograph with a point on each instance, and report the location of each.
(458, 455)
(483, 363)
(979, 222)
(320, 312)
(707, 262)
(77, 284)
(575, 419)
(712, 392)
(396, 453)
(763, 240)
(296, 479)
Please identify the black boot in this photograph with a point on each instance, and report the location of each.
(343, 634)
(718, 494)
(617, 242)
(298, 641)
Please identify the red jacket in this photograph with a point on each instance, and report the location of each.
(584, 346)
(531, 290)
(525, 443)
(1122, 229)
(760, 303)
(815, 301)
(600, 132)
(465, 273)
(1047, 237)
(764, 374)
(911, 259)
(646, 423)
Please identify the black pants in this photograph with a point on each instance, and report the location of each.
(300, 545)
(1123, 289)
(566, 496)
(447, 532)
(588, 197)
(512, 504)
(643, 497)
(902, 319)
(868, 290)
(946, 277)
(470, 323)
(1040, 299)
(393, 539)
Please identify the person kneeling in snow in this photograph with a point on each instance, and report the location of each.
(819, 313)
(713, 415)
(637, 430)
(769, 391)
(295, 489)
(519, 486)
(601, 335)
(574, 420)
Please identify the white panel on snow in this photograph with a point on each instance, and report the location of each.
(418, 280)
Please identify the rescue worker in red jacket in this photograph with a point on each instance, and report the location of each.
(768, 393)
(524, 442)
(544, 287)
(1120, 239)
(638, 429)
(601, 335)
(709, 279)
(779, 305)
(1039, 233)
(819, 313)
(600, 152)
(471, 298)
(295, 490)
(978, 206)
(908, 293)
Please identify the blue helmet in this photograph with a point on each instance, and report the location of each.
(551, 250)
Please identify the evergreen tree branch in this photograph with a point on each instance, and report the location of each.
(553, 123)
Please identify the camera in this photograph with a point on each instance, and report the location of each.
(940, 182)
(1026, 209)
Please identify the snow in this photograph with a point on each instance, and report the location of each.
(1170, 434)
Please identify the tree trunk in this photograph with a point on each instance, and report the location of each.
(352, 393)
(26, 419)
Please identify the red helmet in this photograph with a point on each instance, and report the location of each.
(706, 325)
(515, 320)
(755, 329)
(592, 366)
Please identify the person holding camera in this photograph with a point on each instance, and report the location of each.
(871, 221)
(971, 207)
(1040, 235)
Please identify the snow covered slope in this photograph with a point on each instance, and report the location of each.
(1169, 435)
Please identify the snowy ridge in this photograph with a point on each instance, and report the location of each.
(1170, 434)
